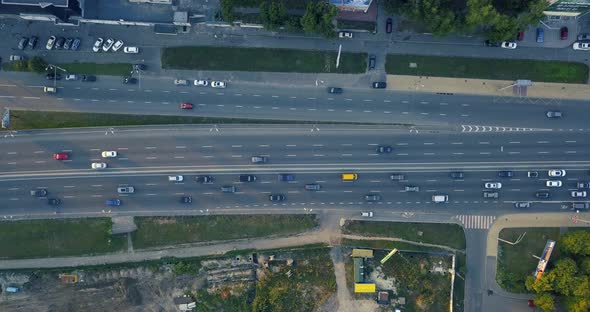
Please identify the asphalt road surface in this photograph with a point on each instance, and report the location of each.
(146, 156)
(242, 100)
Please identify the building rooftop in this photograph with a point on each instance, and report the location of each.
(39, 3)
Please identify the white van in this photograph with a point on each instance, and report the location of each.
(49, 89)
(440, 198)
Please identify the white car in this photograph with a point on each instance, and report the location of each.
(131, 50)
(16, 58)
(508, 45)
(578, 194)
(551, 183)
(201, 83)
(345, 34)
(99, 165)
(557, 173)
(218, 84)
(108, 44)
(50, 43)
(178, 178)
(109, 154)
(368, 214)
(117, 45)
(71, 77)
(584, 46)
(97, 45)
(493, 185)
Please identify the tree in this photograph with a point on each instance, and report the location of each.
(503, 28)
(534, 13)
(273, 14)
(37, 64)
(577, 304)
(436, 15)
(227, 10)
(564, 276)
(585, 266)
(542, 285)
(545, 301)
(479, 13)
(319, 18)
(576, 243)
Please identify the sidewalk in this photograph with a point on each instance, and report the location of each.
(486, 87)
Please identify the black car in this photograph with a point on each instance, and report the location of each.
(457, 175)
(139, 67)
(88, 78)
(506, 174)
(59, 43)
(247, 178)
(68, 43)
(54, 201)
(52, 76)
(76, 44)
(379, 85)
(186, 199)
(205, 179)
(39, 192)
(382, 149)
(372, 61)
(489, 43)
(276, 197)
(33, 42)
(583, 185)
(412, 188)
(334, 90)
(522, 204)
(129, 80)
(22, 43)
(389, 25)
(543, 194)
(580, 206)
(532, 174)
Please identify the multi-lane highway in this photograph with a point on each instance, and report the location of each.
(241, 100)
(146, 156)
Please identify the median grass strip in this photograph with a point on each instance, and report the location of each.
(111, 69)
(58, 238)
(160, 231)
(23, 120)
(450, 235)
(262, 59)
(487, 68)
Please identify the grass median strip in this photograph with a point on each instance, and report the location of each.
(262, 59)
(160, 231)
(450, 235)
(23, 120)
(487, 68)
(58, 238)
(110, 69)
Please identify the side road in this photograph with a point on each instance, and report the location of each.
(517, 221)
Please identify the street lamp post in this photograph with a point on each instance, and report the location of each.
(55, 68)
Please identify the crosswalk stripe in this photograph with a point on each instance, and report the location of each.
(476, 222)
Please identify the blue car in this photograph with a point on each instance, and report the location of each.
(540, 35)
(113, 202)
(286, 177)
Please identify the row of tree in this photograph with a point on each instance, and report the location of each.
(442, 17)
(569, 279)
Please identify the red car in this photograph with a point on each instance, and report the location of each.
(389, 25)
(61, 156)
(520, 36)
(563, 33)
(186, 106)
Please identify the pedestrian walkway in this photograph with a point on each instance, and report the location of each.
(476, 222)
(498, 88)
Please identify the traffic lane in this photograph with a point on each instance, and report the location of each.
(400, 107)
(460, 192)
(142, 151)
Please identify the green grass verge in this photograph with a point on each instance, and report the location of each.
(160, 231)
(450, 235)
(487, 68)
(112, 69)
(516, 262)
(262, 59)
(57, 238)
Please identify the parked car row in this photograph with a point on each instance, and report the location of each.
(61, 43)
(201, 83)
(112, 45)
